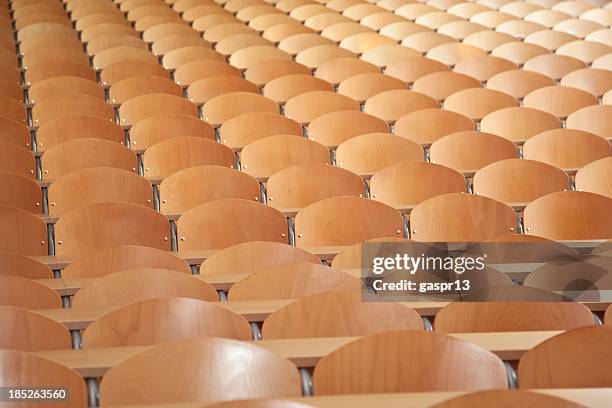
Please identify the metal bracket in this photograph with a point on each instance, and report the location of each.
(306, 380)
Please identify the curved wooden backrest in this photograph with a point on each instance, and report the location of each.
(156, 321)
(126, 69)
(473, 317)
(518, 83)
(411, 182)
(118, 258)
(337, 314)
(12, 109)
(248, 127)
(107, 28)
(97, 19)
(460, 217)
(102, 225)
(95, 185)
(303, 184)
(100, 44)
(558, 100)
(40, 29)
(25, 233)
(554, 66)
(332, 129)
(351, 258)
(593, 118)
(286, 87)
(578, 358)
(169, 156)
(476, 103)
(308, 106)
(314, 57)
(266, 71)
(171, 42)
(608, 316)
(224, 107)
(128, 88)
(261, 404)
(339, 69)
(221, 223)
(506, 398)
(193, 186)
(202, 90)
(19, 265)
(425, 126)
(60, 84)
(519, 180)
(293, 44)
(50, 69)
(483, 68)
(392, 105)
(594, 177)
(15, 133)
(111, 56)
(470, 150)
(189, 73)
(44, 55)
(154, 129)
(570, 215)
(362, 86)
(574, 275)
(407, 361)
(69, 105)
(60, 130)
(292, 281)
(256, 373)
(250, 56)
(134, 285)
(508, 248)
(184, 55)
(154, 104)
(27, 293)
(29, 331)
(518, 124)
(21, 192)
(76, 154)
(29, 370)
(441, 84)
(345, 221)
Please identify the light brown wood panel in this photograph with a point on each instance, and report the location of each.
(171, 42)
(185, 55)
(339, 69)
(392, 105)
(300, 41)
(50, 87)
(25, 233)
(130, 68)
(12, 109)
(256, 54)
(408, 360)
(518, 83)
(222, 223)
(387, 54)
(224, 107)
(308, 106)
(29, 331)
(595, 177)
(226, 29)
(134, 285)
(21, 192)
(100, 44)
(292, 281)
(476, 103)
(27, 294)
(333, 128)
(44, 55)
(154, 104)
(41, 29)
(507, 398)
(146, 22)
(203, 23)
(411, 69)
(425, 126)
(154, 129)
(161, 11)
(189, 73)
(266, 71)
(202, 90)
(69, 105)
(36, 73)
(559, 100)
(125, 89)
(14, 133)
(92, 20)
(248, 127)
(107, 28)
(19, 265)
(42, 17)
(61, 130)
(11, 89)
(441, 84)
(286, 87)
(518, 123)
(159, 31)
(102, 225)
(114, 55)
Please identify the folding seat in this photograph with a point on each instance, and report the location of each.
(151, 10)
(469, 151)
(202, 24)
(154, 104)
(42, 17)
(42, 29)
(64, 129)
(17, 159)
(27, 232)
(80, 153)
(593, 177)
(253, 55)
(130, 68)
(377, 21)
(412, 11)
(491, 18)
(476, 103)
(487, 40)
(435, 19)
(18, 265)
(519, 83)
(189, 73)
(91, 20)
(411, 69)
(363, 86)
(249, 257)
(235, 43)
(573, 359)
(388, 54)
(292, 281)
(279, 32)
(393, 104)
(286, 87)
(306, 107)
(299, 42)
(16, 133)
(600, 36)
(246, 128)
(426, 40)
(466, 10)
(224, 30)
(425, 126)
(115, 55)
(264, 157)
(222, 223)
(26, 293)
(553, 65)
(64, 84)
(224, 107)
(266, 71)
(451, 53)
(263, 22)
(560, 101)
(549, 39)
(578, 27)
(595, 81)
(25, 330)
(337, 70)
(40, 56)
(169, 156)
(303, 13)
(318, 55)
(518, 52)
(585, 51)
(249, 13)
(411, 366)
(593, 119)
(362, 42)
(20, 192)
(334, 128)
(441, 84)
(518, 124)
(566, 148)
(185, 55)
(483, 68)
(339, 31)
(12, 110)
(69, 105)
(132, 87)
(106, 42)
(402, 29)
(33, 371)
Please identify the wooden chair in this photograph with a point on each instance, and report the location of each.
(322, 21)
(602, 62)
(363, 86)
(249, 13)
(549, 39)
(204, 23)
(224, 107)
(451, 53)
(334, 128)
(519, 28)
(185, 55)
(146, 22)
(476, 103)
(251, 256)
(243, 129)
(518, 83)
(279, 32)
(70, 105)
(360, 43)
(196, 185)
(155, 129)
(332, 222)
(483, 68)
(41, 29)
(22, 330)
(42, 17)
(302, 13)
(592, 80)
(488, 40)
(308, 106)
(283, 88)
(553, 65)
(467, 218)
(266, 71)
(114, 55)
(469, 151)
(585, 51)
(91, 20)
(195, 12)
(549, 217)
(459, 29)
(337, 70)
(558, 100)
(402, 29)
(19, 265)
(566, 148)
(264, 21)
(65, 129)
(26, 293)
(20, 192)
(413, 11)
(130, 68)
(393, 104)
(122, 91)
(191, 72)
(261, 374)
(592, 119)
(316, 56)
(425, 126)
(154, 321)
(413, 370)
(16, 159)
(388, 54)
(30, 370)
(506, 397)
(491, 18)
(107, 28)
(221, 223)
(106, 42)
(135, 285)
(11, 89)
(266, 156)
(165, 29)
(255, 54)
(12, 110)
(574, 359)
(235, 43)
(518, 123)
(593, 177)
(518, 52)
(154, 104)
(169, 156)
(337, 314)
(292, 281)
(203, 90)
(164, 45)
(105, 261)
(441, 84)
(298, 42)
(63, 84)
(220, 31)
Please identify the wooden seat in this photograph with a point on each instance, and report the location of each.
(363, 86)
(569, 215)
(340, 69)
(110, 56)
(360, 43)
(19, 265)
(425, 126)
(241, 130)
(12, 110)
(488, 40)
(16, 133)
(154, 321)
(441, 84)
(393, 104)
(41, 29)
(165, 45)
(130, 68)
(107, 28)
(592, 119)
(154, 104)
(155, 129)
(286, 87)
(226, 29)
(553, 65)
(62, 85)
(235, 43)
(493, 397)
(593, 177)
(279, 32)
(592, 80)
(331, 222)
(42, 55)
(60, 130)
(558, 100)
(318, 55)
(18, 160)
(202, 90)
(70, 105)
(452, 53)
(339, 31)
(572, 275)
(411, 366)
(585, 51)
(22, 329)
(255, 54)
(476, 103)
(135, 285)
(467, 218)
(32, 371)
(258, 373)
(576, 359)
(566, 148)
(191, 72)
(292, 281)
(106, 261)
(332, 129)
(518, 124)
(301, 41)
(27, 294)
(185, 55)
(106, 42)
(132, 87)
(224, 107)
(251, 256)
(222, 223)
(483, 68)
(20, 192)
(266, 71)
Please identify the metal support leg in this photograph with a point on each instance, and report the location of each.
(194, 270)
(76, 339)
(510, 375)
(66, 302)
(306, 382)
(156, 197)
(291, 231)
(427, 323)
(51, 239)
(92, 392)
(222, 296)
(173, 237)
(255, 331)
